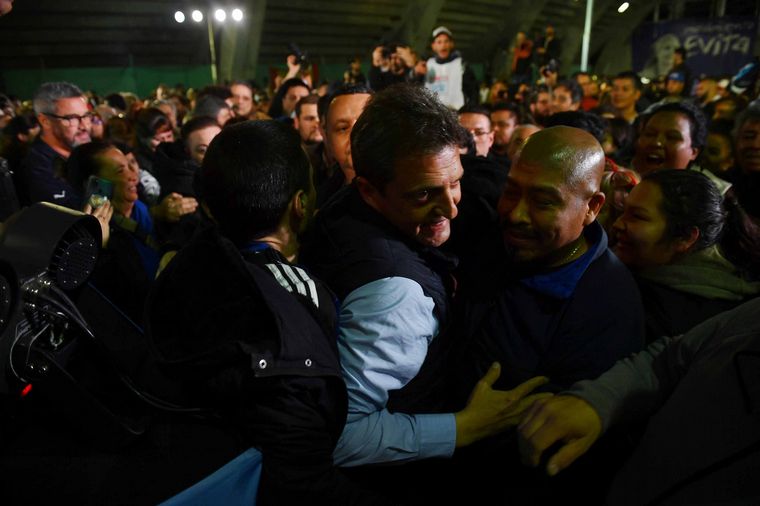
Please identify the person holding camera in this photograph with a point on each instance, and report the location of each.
(393, 63)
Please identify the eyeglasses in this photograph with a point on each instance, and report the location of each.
(72, 119)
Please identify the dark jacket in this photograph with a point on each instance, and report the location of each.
(680, 295)
(42, 178)
(700, 395)
(235, 341)
(351, 245)
(568, 323)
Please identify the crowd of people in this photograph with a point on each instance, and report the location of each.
(395, 286)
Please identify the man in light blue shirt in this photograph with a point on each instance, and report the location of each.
(375, 244)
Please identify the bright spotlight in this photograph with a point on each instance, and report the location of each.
(179, 17)
(197, 16)
(237, 15)
(623, 7)
(220, 15)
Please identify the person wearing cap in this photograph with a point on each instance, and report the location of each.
(675, 85)
(447, 75)
(683, 71)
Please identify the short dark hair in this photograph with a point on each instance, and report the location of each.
(633, 76)
(83, 162)
(346, 89)
(308, 99)
(195, 124)
(697, 120)
(222, 92)
(209, 105)
(401, 122)
(476, 109)
(576, 92)
(689, 199)
(249, 174)
(680, 51)
(541, 88)
(587, 121)
(506, 106)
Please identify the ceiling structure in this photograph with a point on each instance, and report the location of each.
(97, 33)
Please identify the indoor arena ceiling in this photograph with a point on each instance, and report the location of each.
(94, 33)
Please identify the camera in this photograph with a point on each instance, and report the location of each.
(301, 56)
(551, 67)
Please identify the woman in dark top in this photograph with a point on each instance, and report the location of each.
(129, 262)
(685, 243)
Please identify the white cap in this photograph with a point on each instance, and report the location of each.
(440, 30)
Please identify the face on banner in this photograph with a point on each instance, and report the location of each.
(713, 47)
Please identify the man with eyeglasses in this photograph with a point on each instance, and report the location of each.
(66, 123)
(477, 121)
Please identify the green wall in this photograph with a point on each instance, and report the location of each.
(142, 80)
(104, 80)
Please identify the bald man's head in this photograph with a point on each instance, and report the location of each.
(571, 151)
(552, 194)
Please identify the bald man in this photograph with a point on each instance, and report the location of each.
(565, 305)
(545, 296)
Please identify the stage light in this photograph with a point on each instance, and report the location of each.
(179, 17)
(197, 16)
(623, 7)
(220, 15)
(237, 15)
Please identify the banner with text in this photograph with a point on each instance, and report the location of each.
(714, 47)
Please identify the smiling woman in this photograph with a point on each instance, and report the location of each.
(128, 265)
(671, 138)
(675, 234)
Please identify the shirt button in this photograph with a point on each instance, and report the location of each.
(263, 363)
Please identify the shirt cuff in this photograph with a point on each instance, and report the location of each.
(438, 435)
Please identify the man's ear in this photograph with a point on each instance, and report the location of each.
(594, 206)
(694, 153)
(368, 192)
(43, 120)
(300, 203)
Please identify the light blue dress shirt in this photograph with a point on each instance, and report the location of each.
(384, 332)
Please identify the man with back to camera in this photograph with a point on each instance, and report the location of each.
(376, 244)
(65, 122)
(273, 367)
